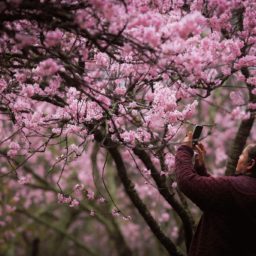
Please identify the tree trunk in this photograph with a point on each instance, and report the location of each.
(238, 145)
(242, 134)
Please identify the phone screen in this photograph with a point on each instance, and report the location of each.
(197, 133)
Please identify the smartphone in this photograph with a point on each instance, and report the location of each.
(196, 134)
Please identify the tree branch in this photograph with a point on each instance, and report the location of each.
(187, 220)
(141, 207)
(117, 236)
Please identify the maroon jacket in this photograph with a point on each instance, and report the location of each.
(228, 224)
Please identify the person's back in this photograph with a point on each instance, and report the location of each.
(229, 230)
(228, 223)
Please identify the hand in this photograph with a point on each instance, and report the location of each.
(200, 149)
(188, 140)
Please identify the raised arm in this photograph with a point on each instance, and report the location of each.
(205, 191)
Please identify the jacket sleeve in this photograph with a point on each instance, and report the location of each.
(206, 192)
(200, 169)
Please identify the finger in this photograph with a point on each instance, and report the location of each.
(198, 149)
(202, 147)
(189, 134)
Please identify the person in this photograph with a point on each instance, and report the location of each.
(228, 224)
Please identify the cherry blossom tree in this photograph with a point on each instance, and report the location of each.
(96, 96)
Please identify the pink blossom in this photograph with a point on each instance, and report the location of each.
(143, 135)
(127, 218)
(120, 90)
(191, 23)
(53, 38)
(74, 203)
(75, 148)
(146, 172)
(128, 136)
(90, 195)
(101, 200)
(20, 76)
(3, 85)
(169, 161)
(240, 77)
(105, 100)
(149, 96)
(85, 20)
(172, 116)
(60, 198)
(151, 36)
(28, 90)
(9, 208)
(252, 81)
(165, 217)
(24, 180)
(236, 98)
(246, 61)
(21, 105)
(165, 99)
(47, 67)
(53, 86)
(134, 112)
(238, 114)
(115, 212)
(254, 91)
(14, 147)
(78, 187)
(64, 199)
(174, 232)
(25, 40)
(252, 105)
(190, 110)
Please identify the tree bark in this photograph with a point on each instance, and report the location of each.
(35, 247)
(238, 145)
(242, 134)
